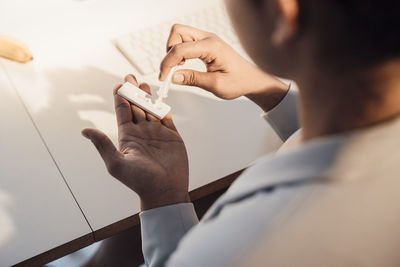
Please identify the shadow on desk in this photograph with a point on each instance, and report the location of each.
(83, 98)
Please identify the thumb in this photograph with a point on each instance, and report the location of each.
(194, 78)
(104, 146)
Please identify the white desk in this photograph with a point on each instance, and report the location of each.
(68, 87)
(37, 211)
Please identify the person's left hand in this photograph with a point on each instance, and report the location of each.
(151, 160)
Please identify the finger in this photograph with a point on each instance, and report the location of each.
(183, 33)
(104, 146)
(138, 114)
(122, 107)
(132, 79)
(202, 49)
(145, 87)
(205, 80)
(167, 121)
(116, 87)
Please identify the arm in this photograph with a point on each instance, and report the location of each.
(152, 161)
(283, 118)
(151, 158)
(162, 229)
(228, 76)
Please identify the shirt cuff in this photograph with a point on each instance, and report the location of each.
(284, 118)
(162, 228)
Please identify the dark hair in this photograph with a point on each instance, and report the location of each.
(363, 32)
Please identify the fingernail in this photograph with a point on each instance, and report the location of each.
(85, 135)
(179, 78)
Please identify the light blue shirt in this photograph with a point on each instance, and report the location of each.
(163, 228)
(261, 204)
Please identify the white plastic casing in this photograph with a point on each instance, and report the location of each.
(143, 100)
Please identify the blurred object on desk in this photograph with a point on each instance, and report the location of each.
(14, 50)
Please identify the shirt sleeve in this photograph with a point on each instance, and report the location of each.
(162, 229)
(284, 118)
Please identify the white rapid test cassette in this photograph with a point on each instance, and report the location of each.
(151, 103)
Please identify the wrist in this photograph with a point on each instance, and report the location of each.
(163, 199)
(270, 95)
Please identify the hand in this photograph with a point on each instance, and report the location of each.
(228, 74)
(151, 159)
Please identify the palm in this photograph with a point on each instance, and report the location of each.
(150, 152)
(151, 159)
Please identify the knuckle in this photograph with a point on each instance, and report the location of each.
(173, 52)
(176, 27)
(176, 49)
(176, 52)
(191, 79)
(173, 55)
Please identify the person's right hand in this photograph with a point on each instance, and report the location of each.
(228, 74)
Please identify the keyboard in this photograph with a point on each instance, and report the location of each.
(145, 49)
